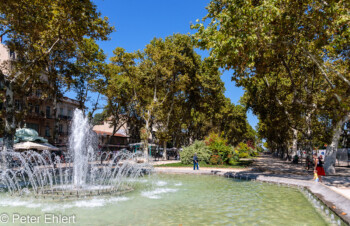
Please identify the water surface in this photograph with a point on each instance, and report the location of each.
(180, 200)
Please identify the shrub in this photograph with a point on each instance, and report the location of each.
(233, 156)
(218, 146)
(232, 161)
(215, 160)
(244, 151)
(243, 155)
(199, 147)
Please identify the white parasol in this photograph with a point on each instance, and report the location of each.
(31, 145)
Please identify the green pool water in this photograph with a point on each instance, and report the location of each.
(175, 200)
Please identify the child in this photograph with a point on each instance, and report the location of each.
(315, 176)
(319, 167)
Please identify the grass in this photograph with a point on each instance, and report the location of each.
(239, 164)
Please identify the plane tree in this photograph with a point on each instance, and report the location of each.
(267, 41)
(34, 35)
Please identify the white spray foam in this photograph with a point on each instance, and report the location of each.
(17, 203)
(161, 183)
(92, 203)
(155, 193)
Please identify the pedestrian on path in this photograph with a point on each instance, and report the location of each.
(315, 176)
(319, 167)
(195, 161)
(308, 162)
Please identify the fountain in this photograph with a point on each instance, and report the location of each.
(86, 185)
(81, 147)
(84, 174)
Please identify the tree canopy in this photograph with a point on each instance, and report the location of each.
(44, 42)
(292, 58)
(172, 90)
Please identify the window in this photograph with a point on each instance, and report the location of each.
(38, 93)
(69, 112)
(33, 126)
(30, 107)
(61, 111)
(47, 131)
(37, 109)
(60, 128)
(48, 111)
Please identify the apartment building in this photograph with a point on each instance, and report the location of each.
(41, 118)
(110, 141)
(40, 111)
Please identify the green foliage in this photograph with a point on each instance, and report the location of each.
(170, 85)
(221, 151)
(199, 147)
(215, 160)
(45, 36)
(243, 155)
(87, 69)
(232, 121)
(232, 162)
(244, 151)
(292, 59)
(237, 164)
(98, 119)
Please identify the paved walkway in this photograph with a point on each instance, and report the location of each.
(340, 182)
(275, 166)
(334, 191)
(268, 165)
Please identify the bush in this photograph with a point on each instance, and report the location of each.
(215, 160)
(199, 147)
(255, 153)
(218, 146)
(232, 161)
(243, 155)
(245, 151)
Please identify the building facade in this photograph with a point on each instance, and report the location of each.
(108, 141)
(41, 118)
(37, 112)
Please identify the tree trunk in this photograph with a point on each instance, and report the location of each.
(331, 152)
(56, 121)
(10, 120)
(164, 150)
(10, 123)
(309, 146)
(146, 136)
(295, 142)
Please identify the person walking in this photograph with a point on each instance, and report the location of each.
(195, 161)
(319, 167)
(315, 176)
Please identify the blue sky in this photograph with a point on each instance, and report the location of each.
(137, 22)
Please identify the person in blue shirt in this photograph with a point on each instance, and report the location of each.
(195, 161)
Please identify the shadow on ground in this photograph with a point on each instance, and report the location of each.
(276, 167)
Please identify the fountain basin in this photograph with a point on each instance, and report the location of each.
(186, 200)
(67, 192)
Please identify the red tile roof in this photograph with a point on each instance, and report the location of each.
(109, 133)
